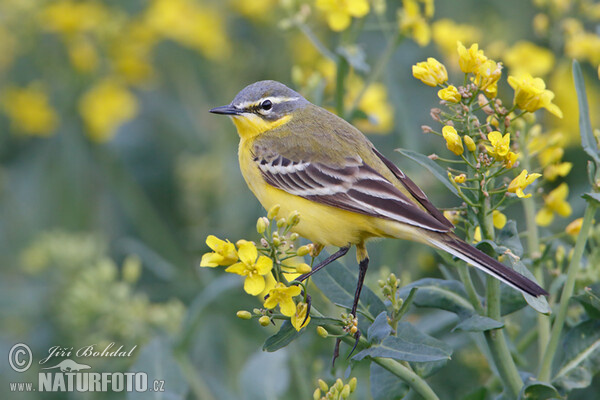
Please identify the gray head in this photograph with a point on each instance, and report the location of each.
(269, 100)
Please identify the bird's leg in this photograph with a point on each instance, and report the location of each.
(341, 252)
(363, 264)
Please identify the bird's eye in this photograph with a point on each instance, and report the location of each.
(266, 105)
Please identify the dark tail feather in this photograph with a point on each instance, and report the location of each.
(487, 264)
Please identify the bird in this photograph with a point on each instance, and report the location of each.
(306, 159)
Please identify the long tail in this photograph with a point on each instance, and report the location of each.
(459, 248)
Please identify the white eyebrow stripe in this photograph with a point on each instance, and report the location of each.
(274, 100)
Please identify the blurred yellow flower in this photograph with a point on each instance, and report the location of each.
(413, 22)
(252, 268)
(105, 107)
(82, 54)
(500, 145)
(498, 219)
(450, 94)
(555, 202)
(521, 182)
(470, 60)
(29, 110)
(7, 48)
(541, 23)
(131, 56)
(584, 46)
(452, 216)
(446, 33)
(553, 171)
(339, 13)
(283, 295)
(69, 17)
(470, 143)
(574, 227)
(299, 318)
(430, 72)
(191, 24)
(531, 94)
(379, 111)
(223, 253)
(526, 57)
(255, 10)
(453, 141)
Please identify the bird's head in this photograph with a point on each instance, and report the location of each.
(262, 106)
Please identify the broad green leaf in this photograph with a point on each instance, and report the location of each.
(286, 334)
(477, 394)
(338, 283)
(539, 304)
(435, 169)
(355, 56)
(588, 141)
(156, 359)
(379, 329)
(385, 385)
(509, 238)
(478, 323)
(265, 376)
(510, 300)
(590, 300)
(409, 345)
(592, 198)
(591, 170)
(439, 293)
(535, 390)
(580, 356)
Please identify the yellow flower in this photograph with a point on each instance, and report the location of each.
(29, 110)
(300, 319)
(83, 55)
(521, 182)
(452, 216)
(69, 17)
(191, 24)
(413, 22)
(223, 253)
(339, 13)
(470, 60)
(294, 267)
(531, 94)
(487, 75)
(283, 295)
(555, 202)
(526, 57)
(574, 227)
(470, 143)
(105, 107)
(380, 113)
(462, 178)
(477, 234)
(430, 72)
(498, 219)
(446, 33)
(450, 94)
(131, 56)
(500, 145)
(453, 141)
(553, 171)
(255, 10)
(252, 268)
(584, 46)
(510, 159)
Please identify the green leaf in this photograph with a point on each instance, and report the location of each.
(590, 300)
(265, 376)
(338, 284)
(580, 356)
(510, 300)
(539, 303)
(588, 141)
(591, 170)
(478, 323)
(509, 238)
(355, 56)
(379, 329)
(156, 359)
(286, 334)
(592, 198)
(385, 385)
(536, 390)
(410, 344)
(439, 293)
(435, 169)
(477, 394)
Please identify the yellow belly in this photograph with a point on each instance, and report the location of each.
(319, 223)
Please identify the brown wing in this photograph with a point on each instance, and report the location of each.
(353, 186)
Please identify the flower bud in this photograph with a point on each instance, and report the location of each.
(303, 268)
(264, 320)
(294, 218)
(317, 394)
(353, 382)
(273, 211)
(294, 236)
(303, 250)
(243, 314)
(261, 225)
(345, 392)
(276, 241)
(257, 311)
(322, 332)
(339, 384)
(281, 222)
(470, 143)
(323, 385)
(460, 178)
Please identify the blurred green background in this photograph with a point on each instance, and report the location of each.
(112, 171)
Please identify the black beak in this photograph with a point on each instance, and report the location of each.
(225, 110)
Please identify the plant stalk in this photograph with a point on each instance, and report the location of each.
(566, 294)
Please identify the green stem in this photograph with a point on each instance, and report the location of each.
(325, 52)
(566, 294)
(342, 71)
(413, 380)
(465, 277)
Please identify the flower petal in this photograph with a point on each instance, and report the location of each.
(211, 260)
(254, 284)
(237, 268)
(214, 242)
(544, 217)
(248, 253)
(264, 265)
(287, 307)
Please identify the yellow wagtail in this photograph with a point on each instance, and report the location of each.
(304, 158)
